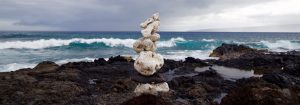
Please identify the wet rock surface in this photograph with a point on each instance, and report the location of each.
(279, 84)
(258, 60)
(112, 82)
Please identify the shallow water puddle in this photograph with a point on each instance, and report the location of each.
(171, 74)
(92, 81)
(219, 99)
(229, 73)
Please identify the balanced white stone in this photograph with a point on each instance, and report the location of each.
(150, 29)
(148, 62)
(155, 37)
(144, 44)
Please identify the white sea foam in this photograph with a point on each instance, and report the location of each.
(208, 40)
(181, 55)
(175, 55)
(112, 42)
(281, 45)
(87, 59)
(43, 43)
(170, 43)
(15, 66)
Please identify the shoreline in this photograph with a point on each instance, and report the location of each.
(191, 81)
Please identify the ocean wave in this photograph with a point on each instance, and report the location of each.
(87, 59)
(170, 43)
(16, 66)
(111, 42)
(281, 45)
(181, 55)
(43, 43)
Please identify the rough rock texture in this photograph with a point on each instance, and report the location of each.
(255, 91)
(251, 59)
(279, 84)
(73, 83)
(147, 99)
(230, 51)
(111, 83)
(89, 83)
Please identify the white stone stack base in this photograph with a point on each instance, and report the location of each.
(151, 88)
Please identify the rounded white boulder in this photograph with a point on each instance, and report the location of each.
(155, 37)
(148, 63)
(144, 44)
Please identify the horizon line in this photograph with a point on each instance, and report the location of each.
(158, 31)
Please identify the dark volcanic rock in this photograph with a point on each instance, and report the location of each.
(112, 82)
(148, 100)
(277, 79)
(46, 66)
(195, 62)
(240, 56)
(170, 65)
(181, 82)
(200, 89)
(119, 59)
(74, 83)
(292, 66)
(155, 78)
(100, 61)
(255, 91)
(230, 51)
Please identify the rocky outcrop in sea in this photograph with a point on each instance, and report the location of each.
(272, 79)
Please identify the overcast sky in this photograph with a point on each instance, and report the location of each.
(126, 15)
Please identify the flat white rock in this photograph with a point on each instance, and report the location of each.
(148, 63)
(151, 88)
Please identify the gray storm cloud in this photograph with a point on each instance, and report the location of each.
(125, 15)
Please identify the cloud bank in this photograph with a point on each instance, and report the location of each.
(125, 15)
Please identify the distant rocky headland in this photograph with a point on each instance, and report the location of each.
(272, 79)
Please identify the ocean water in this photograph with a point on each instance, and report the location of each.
(26, 49)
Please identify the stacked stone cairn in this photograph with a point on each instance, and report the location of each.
(149, 62)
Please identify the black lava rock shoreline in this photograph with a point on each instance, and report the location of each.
(110, 82)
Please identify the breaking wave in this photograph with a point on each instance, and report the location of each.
(15, 66)
(110, 42)
(170, 43)
(281, 45)
(181, 55)
(87, 59)
(43, 43)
